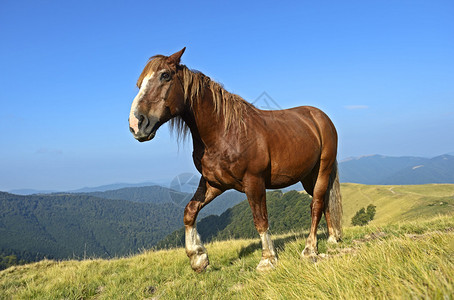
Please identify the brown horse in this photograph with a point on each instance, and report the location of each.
(237, 146)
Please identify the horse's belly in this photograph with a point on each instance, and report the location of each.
(292, 163)
(282, 177)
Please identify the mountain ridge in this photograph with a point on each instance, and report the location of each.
(389, 170)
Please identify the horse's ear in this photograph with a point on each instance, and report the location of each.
(175, 58)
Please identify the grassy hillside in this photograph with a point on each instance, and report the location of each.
(398, 202)
(402, 260)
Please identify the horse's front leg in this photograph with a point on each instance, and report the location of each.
(195, 250)
(256, 195)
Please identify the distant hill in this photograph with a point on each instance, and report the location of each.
(30, 191)
(439, 169)
(100, 188)
(379, 169)
(108, 187)
(101, 224)
(157, 194)
(67, 226)
(146, 194)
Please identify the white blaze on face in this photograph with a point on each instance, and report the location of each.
(133, 121)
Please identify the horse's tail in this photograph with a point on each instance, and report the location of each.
(333, 202)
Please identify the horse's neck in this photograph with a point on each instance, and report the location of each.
(204, 124)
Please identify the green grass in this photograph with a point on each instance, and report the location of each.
(401, 260)
(407, 252)
(397, 203)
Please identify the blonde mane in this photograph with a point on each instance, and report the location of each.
(231, 107)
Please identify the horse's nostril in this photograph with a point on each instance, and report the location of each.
(132, 130)
(141, 119)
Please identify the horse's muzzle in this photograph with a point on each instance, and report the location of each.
(147, 128)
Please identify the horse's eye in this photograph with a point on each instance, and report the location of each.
(165, 76)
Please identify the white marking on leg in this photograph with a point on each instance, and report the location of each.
(133, 121)
(192, 239)
(269, 259)
(267, 244)
(195, 250)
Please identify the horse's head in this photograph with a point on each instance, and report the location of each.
(160, 96)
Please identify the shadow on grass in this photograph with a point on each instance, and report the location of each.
(279, 243)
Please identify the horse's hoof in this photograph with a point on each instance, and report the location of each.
(199, 262)
(332, 239)
(267, 264)
(309, 252)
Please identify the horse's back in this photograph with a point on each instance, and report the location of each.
(297, 120)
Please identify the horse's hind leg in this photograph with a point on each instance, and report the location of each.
(194, 248)
(332, 236)
(317, 207)
(308, 184)
(256, 195)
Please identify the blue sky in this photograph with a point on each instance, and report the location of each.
(382, 70)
